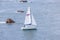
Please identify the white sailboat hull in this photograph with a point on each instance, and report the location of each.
(29, 28)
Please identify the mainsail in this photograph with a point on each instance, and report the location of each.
(29, 19)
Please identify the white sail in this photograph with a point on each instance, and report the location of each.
(33, 21)
(28, 18)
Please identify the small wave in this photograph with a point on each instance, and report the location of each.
(2, 11)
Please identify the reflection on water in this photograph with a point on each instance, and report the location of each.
(29, 34)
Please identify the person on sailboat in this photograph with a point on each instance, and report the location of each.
(24, 25)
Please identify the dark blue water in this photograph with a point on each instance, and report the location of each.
(46, 13)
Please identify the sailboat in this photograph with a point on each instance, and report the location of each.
(30, 22)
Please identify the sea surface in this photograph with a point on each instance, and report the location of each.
(46, 14)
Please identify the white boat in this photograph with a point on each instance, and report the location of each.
(30, 22)
(23, 1)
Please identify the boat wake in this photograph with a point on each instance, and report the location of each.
(2, 22)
